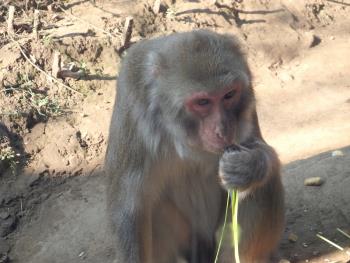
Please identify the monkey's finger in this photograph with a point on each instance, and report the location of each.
(232, 148)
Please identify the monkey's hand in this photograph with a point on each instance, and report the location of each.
(242, 167)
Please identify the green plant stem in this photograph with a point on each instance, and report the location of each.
(235, 230)
(223, 228)
(235, 226)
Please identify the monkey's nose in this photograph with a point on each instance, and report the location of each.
(219, 132)
(219, 136)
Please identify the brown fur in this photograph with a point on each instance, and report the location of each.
(165, 198)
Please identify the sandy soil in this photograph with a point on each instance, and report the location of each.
(53, 139)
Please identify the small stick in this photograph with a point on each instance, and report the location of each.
(42, 71)
(127, 31)
(344, 233)
(156, 6)
(330, 242)
(36, 24)
(71, 74)
(11, 14)
(29, 4)
(56, 64)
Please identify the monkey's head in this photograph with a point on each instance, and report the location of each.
(214, 116)
(202, 83)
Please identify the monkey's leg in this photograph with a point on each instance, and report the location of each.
(171, 232)
(261, 218)
(147, 237)
(203, 251)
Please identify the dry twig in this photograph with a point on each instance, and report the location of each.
(11, 14)
(129, 21)
(36, 24)
(156, 6)
(65, 73)
(56, 64)
(28, 4)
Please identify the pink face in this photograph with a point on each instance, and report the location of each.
(213, 110)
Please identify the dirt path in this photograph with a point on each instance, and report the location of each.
(52, 202)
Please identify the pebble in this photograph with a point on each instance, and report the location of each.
(313, 181)
(337, 153)
(292, 237)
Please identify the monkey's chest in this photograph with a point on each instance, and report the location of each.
(198, 198)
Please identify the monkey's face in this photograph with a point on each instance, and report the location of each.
(215, 115)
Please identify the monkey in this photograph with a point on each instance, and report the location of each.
(184, 129)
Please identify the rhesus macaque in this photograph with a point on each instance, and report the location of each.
(183, 100)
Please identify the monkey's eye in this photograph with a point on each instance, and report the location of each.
(229, 95)
(203, 102)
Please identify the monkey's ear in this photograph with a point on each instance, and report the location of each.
(243, 77)
(155, 64)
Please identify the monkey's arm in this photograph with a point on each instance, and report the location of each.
(124, 209)
(125, 169)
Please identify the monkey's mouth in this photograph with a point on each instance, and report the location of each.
(216, 145)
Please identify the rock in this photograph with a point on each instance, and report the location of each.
(313, 181)
(311, 40)
(315, 41)
(337, 153)
(292, 237)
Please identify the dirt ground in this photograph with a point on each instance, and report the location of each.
(53, 137)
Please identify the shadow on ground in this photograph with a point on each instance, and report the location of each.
(69, 224)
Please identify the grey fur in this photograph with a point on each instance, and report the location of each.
(149, 159)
